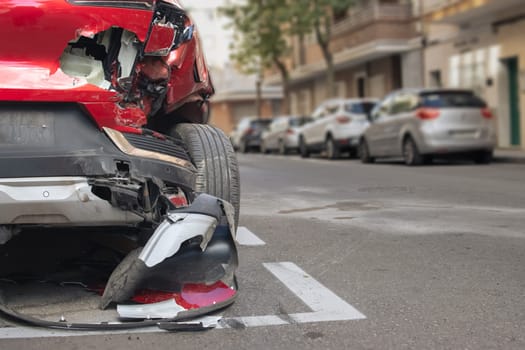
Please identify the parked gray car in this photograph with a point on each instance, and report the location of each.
(420, 124)
(247, 134)
(282, 135)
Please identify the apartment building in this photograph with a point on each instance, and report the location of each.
(376, 49)
(479, 45)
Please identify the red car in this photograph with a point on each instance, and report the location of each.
(103, 112)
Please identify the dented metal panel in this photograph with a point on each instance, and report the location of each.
(126, 65)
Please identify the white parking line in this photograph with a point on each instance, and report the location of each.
(326, 306)
(248, 238)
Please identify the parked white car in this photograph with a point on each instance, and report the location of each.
(419, 124)
(336, 127)
(282, 135)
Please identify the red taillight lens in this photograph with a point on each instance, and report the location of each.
(249, 131)
(290, 131)
(343, 119)
(427, 113)
(486, 113)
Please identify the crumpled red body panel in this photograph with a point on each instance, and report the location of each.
(35, 34)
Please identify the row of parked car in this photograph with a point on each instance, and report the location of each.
(415, 124)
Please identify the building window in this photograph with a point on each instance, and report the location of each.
(361, 87)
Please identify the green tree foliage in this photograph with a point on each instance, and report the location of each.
(263, 29)
(260, 38)
(316, 16)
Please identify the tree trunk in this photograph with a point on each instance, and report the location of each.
(258, 97)
(285, 77)
(323, 41)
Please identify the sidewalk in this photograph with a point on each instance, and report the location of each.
(509, 155)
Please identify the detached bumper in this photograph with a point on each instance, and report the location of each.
(185, 269)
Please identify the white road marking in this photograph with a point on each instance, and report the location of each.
(325, 304)
(248, 238)
(326, 307)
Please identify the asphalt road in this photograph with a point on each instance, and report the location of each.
(366, 257)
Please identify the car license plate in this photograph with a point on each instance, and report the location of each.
(464, 134)
(26, 129)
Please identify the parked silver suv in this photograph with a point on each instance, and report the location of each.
(420, 124)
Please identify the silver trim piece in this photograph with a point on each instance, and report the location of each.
(172, 232)
(120, 141)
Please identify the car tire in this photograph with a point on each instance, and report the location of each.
(332, 149)
(303, 148)
(364, 153)
(214, 158)
(282, 148)
(483, 157)
(411, 154)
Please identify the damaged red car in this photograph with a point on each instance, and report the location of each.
(103, 126)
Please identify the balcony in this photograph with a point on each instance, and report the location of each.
(466, 11)
(374, 12)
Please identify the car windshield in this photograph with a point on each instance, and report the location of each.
(451, 100)
(360, 107)
(261, 124)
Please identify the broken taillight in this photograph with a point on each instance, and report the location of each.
(192, 296)
(427, 113)
(179, 200)
(486, 113)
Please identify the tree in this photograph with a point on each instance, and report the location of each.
(316, 16)
(260, 38)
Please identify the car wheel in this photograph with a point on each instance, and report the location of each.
(213, 156)
(364, 153)
(411, 154)
(303, 149)
(332, 149)
(483, 157)
(282, 148)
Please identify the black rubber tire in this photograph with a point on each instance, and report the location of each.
(364, 153)
(332, 149)
(483, 157)
(213, 156)
(411, 154)
(303, 149)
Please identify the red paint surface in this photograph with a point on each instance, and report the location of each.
(35, 33)
(192, 296)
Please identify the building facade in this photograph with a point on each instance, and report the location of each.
(235, 93)
(376, 48)
(479, 45)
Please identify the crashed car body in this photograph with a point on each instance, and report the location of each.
(103, 112)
